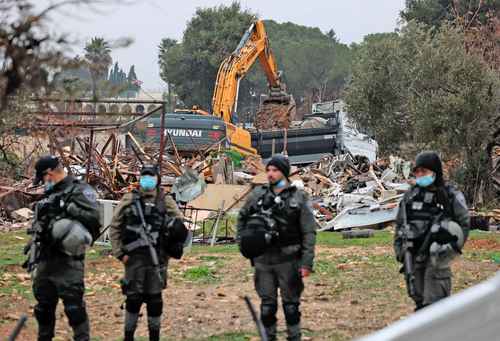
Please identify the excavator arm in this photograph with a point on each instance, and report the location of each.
(253, 45)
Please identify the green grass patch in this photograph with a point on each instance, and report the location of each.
(480, 235)
(11, 252)
(227, 248)
(482, 255)
(200, 274)
(206, 258)
(355, 272)
(236, 336)
(335, 239)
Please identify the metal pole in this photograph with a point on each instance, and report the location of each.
(215, 227)
(89, 159)
(162, 136)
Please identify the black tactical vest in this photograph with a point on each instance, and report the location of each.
(422, 209)
(287, 215)
(154, 215)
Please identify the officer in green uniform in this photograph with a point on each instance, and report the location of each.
(167, 235)
(438, 220)
(277, 231)
(59, 273)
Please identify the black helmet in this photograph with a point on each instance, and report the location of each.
(255, 238)
(431, 160)
(177, 231)
(72, 237)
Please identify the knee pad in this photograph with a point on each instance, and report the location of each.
(154, 305)
(133, 303)
(292, 313)
(76, 313)
(131, 321)
(154, 322)
(268, 314)
(45, 314)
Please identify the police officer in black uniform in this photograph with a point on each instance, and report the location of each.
(438, 224)
(277, 232)
(68, 205)
(144, 282)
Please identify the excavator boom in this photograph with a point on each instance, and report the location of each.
(253, 45)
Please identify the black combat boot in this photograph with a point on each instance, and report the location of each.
(82, 331)
(154, 335)
(154, 324)
(293, 332)
(45, 332)
(130, 325)
(129, 336)
(271, 332)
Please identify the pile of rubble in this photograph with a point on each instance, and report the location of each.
(348, 191)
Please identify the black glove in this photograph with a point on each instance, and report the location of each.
(443, 236)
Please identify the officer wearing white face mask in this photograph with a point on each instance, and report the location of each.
(433, 224)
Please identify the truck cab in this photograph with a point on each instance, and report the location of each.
(190, 132)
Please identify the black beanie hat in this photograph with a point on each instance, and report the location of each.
(149, 170)
(44, 164)
(281, 162)
(431, 160)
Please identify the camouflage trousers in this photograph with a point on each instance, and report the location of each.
(431, 284)
(60, 278)
(286, 278)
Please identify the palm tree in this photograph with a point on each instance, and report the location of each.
(98, 59)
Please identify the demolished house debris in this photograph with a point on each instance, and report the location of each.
(348, 191)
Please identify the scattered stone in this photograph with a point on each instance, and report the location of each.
(23, 214)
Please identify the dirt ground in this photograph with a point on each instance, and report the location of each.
(356, 289)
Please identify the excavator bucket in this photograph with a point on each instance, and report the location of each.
(276, 111)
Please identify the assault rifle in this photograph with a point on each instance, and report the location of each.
(146, 239)
(33, 248)
(408, 236)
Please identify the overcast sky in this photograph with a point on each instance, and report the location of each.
(148, 21)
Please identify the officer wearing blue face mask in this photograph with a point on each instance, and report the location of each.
(277, 232)
(147, 207)
(433, 217)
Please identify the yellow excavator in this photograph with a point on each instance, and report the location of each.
(275, 110)
(278, 106)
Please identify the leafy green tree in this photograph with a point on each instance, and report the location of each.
(133, 83)
(98, 59)
(315, 66)
(332, 35)
(422, 88)
(210, 36)
(435, 12)
(163, 54)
